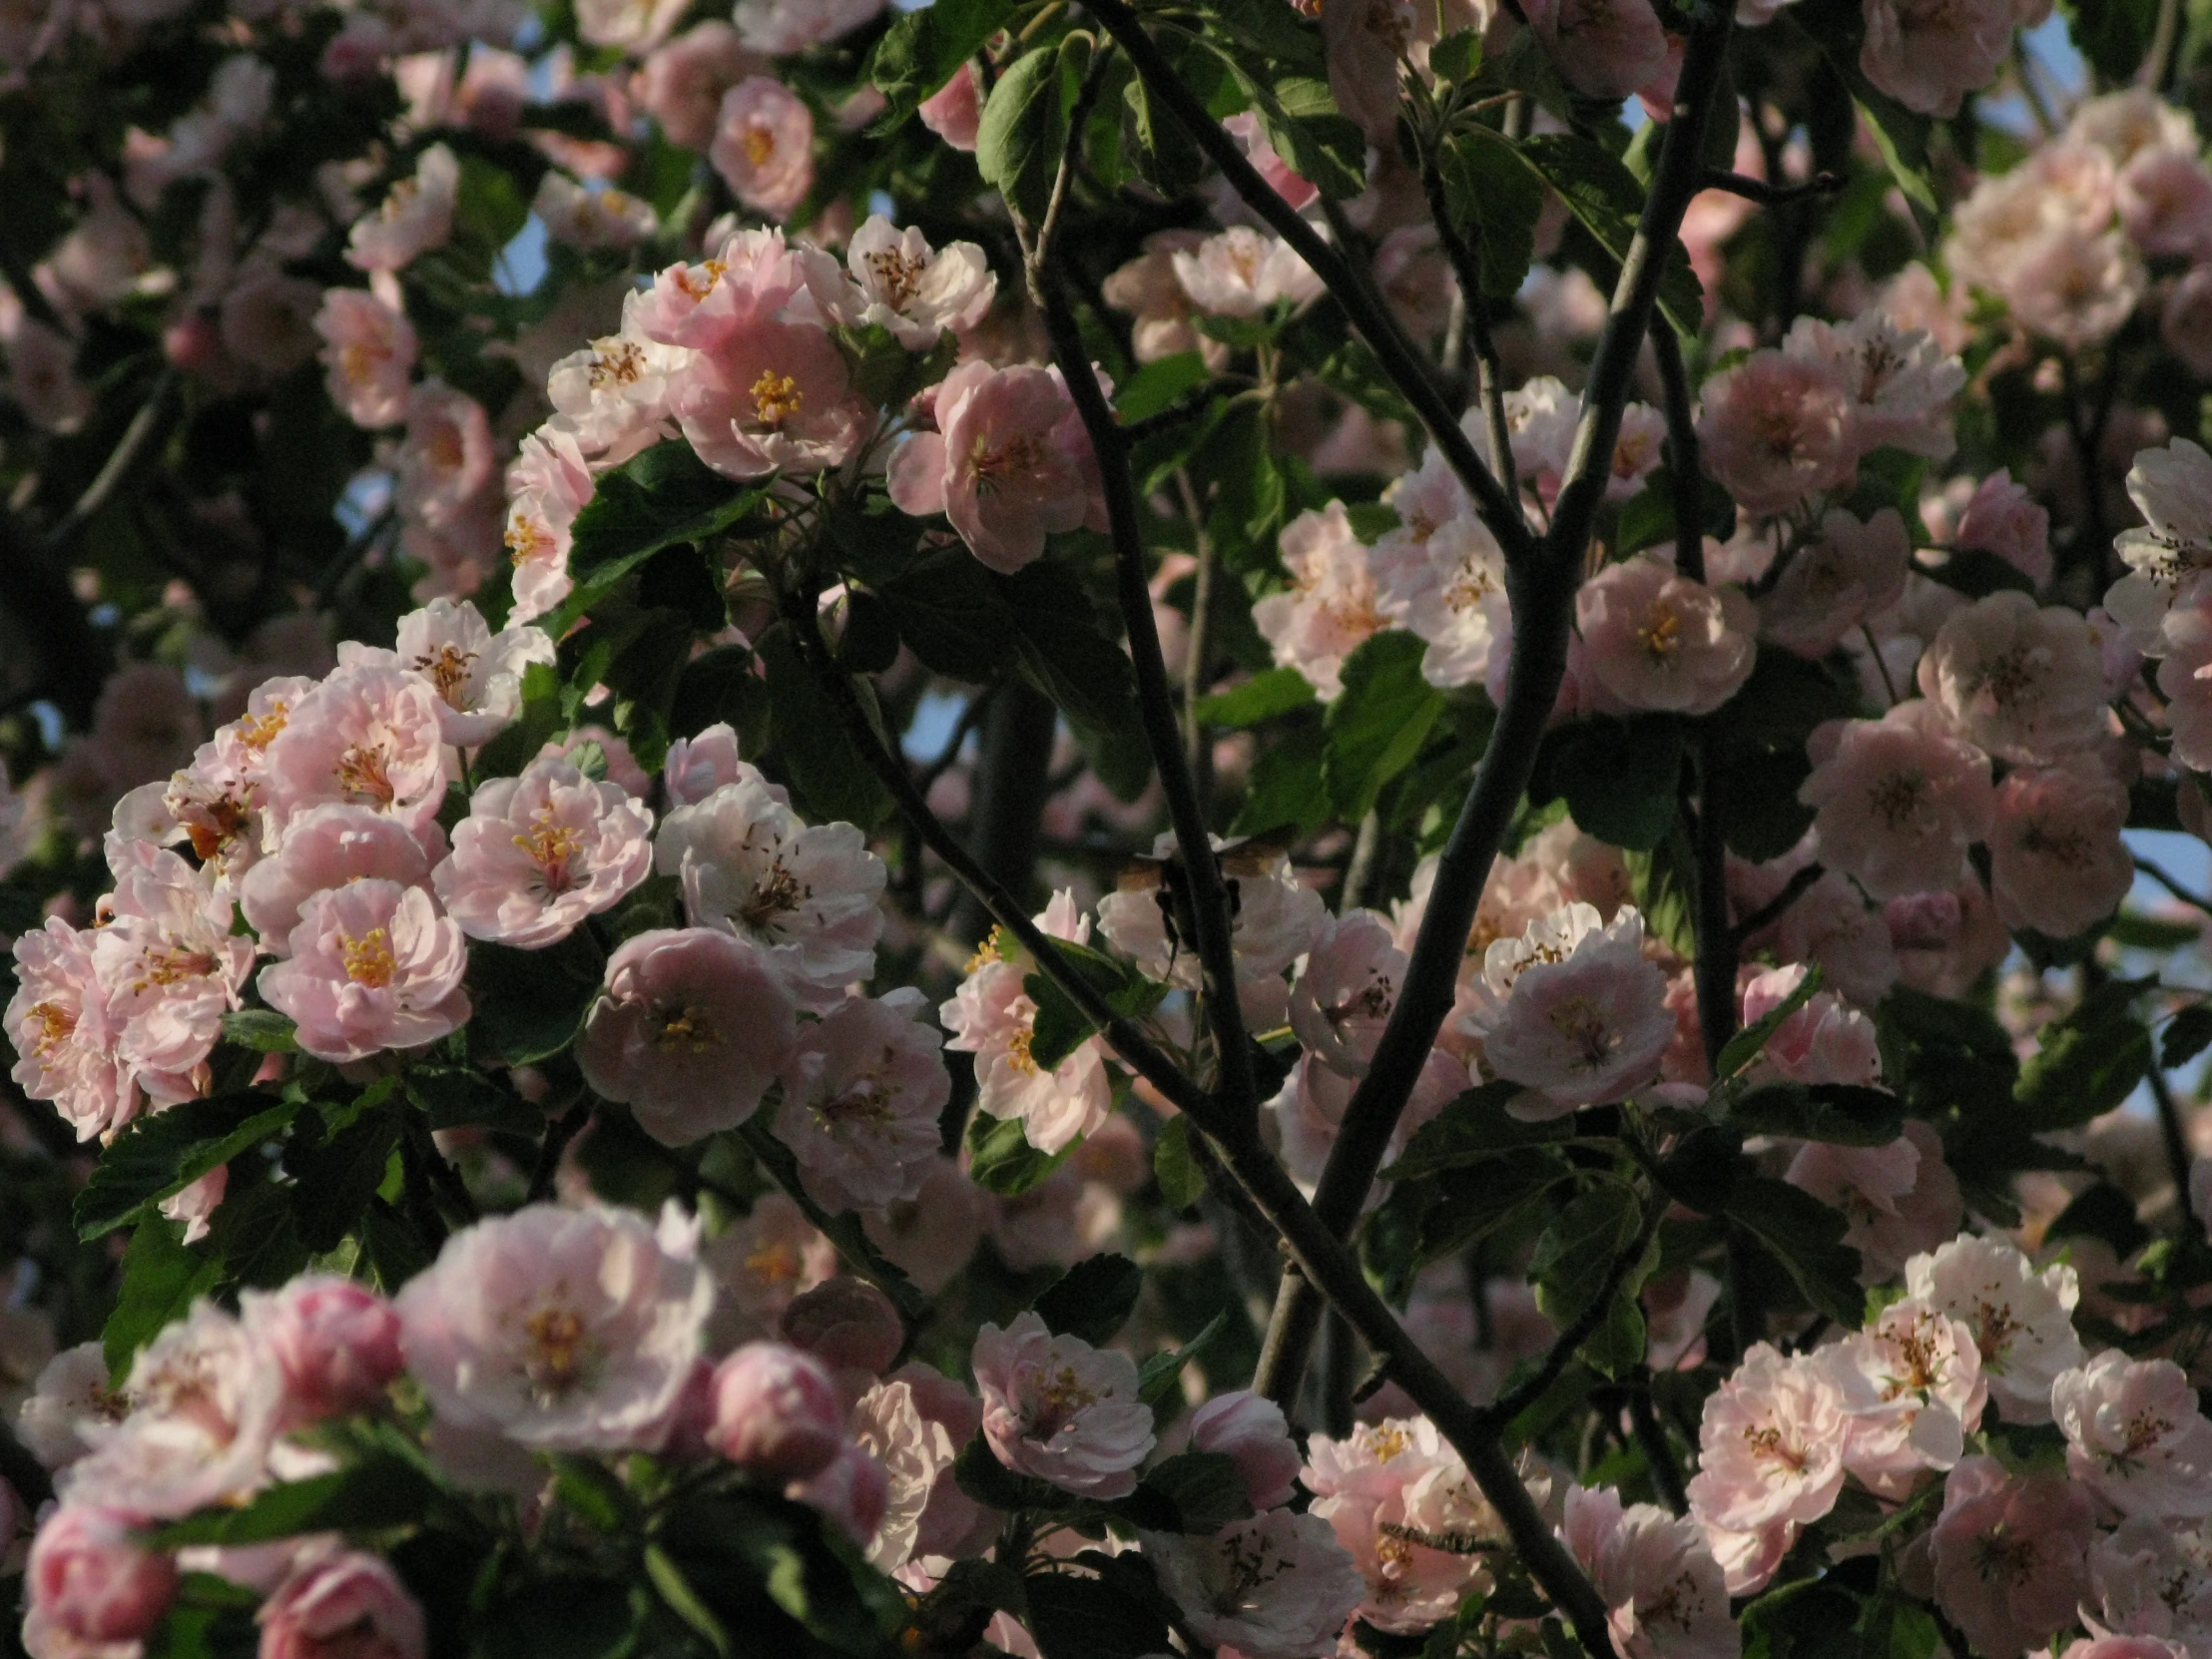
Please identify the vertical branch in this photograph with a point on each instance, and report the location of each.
(2176, 1139)
(1467, 269)
(1013, 784)
(1198, 652)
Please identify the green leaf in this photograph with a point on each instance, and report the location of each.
(1061, 1027)
(828, 773)
(529, 1004)
(1621, 778)
(1182, 1183)
(1376, 727)
(1299, 114)
(1606, 197)
(1833, 1112)
(1065, 654)
(488, 210)
(337, 1173)
(1807, 1238)
(164, 1152)
(949, 611)
(1092, 1299)
(683, 1601)
(664, 496)
(1496, 199)
(1203, 1491)
(1284, 785)
(1578, 1250)
(1458, 57)
(1472, 1201)
(2088, 1062)
(1158, 1376)
(1090, 1618)
(1470, 1128)
(538, 723)
(924, 49)
(1745, 1046)
(1024, 130)
(1001, 1160)
(1839, 27)
(263, 1030)
(1157, 385)
(2187, 1035)
(161, 1277)
(379, 1491)
(456, 1098)
(979, 1473)
(1165, 153)
(1268, 694)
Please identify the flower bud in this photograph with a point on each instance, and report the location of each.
(854, 1490)
(776, 1412)
(337, 1342)
(91, 1579)
(846, 1324)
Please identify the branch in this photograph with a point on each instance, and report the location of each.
(1198, 647)
(111, 473)
(1490, 378)
(2171, 885)
(1666, 1475)
(2176, 1139)
(558, 1134)
(1542, 594)
(1772, 195)
(1800, 884)
(1401, 363)
(1502, 1410)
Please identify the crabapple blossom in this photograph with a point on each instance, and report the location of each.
(1836, 583)
(776, 1415)
(1331, 606)
(370, 735)
(90, 1577)
(373, 965)
(539, 852)
(693, 1026)
(2154, 1578)
(764, 145)
(1657, 640)
(853, 1493)
(1009, 463)
(547, 487)
(336, 1341)
(2018, 681)
(327, 846)
(1912, 1388)
(1276, 921)
(955, 111)
(369, 349)
(846, 1324)
(1571, 1010)
(698, 766)
(932, 1236)
(992, 1016)
(2002, 519)
(1900, 380)
(1603, 48)
(1243, 273)
(682, 81)
(1663, 1590)
(1778, 428)
(1386, 1491)
(1928, 55)
(1275, 1586)
(2057, 859)
(1310, 1108)
(1898, 1198)
(1897, 801)
(416, 215)
(916, 1453)
(781, 27)
(2023, 1319)
(2185, 321)
(2172, 488)
(771, 395)
(637, 26)
(2164, 195)
(1250, 1430)
(1060, 1410)
(900, 283)
(70, 1394)
(64, 1036)
(171, 967)
(805, 895)
(863, 1091)
(2134, 1435)
(2010, 1554)
(612, 397)
(477, 674)
(748, 280)
(348, 1605)
(2187, 640)
(562, 1330)
(1824, 1041)
(1446, 585)
(1342, 998)
(1771, 1449)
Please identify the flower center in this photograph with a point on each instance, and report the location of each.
(1023, 454)
(774, 894)
(898, 277)
(557, 1351)
(688, 1028)
(1898, 799)
(447, 669)
(760, 143)
(776, 399)
(55, 1025)
(696, 281)
(258, 732)
(368, 959)
(528, 538)
(2001, 1557)
(363, 772)
(550, 846)
(1582, 1025)
(1661, 633)
(1768, 1446)
(616, 363)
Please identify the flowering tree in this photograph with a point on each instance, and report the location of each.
(1144, 828)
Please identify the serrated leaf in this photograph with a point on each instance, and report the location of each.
(1807, 1238)
(1182, 1183)
(924, 49)
(1621, 778)
(1001, 1160)
(1061, 1027)
(1606, 198)
(1378, 724)
(1024, 130)
(161, 1277)
(263, 1030)
(1470, 1128)
(529, 1004)
(2087, 1062)
(1092, 1299)
(1496, 199)
(1089, 1618)
(1203, 1491)
(162, 1152)
(1267, 694)
(1837, 1113)
(1158, 1376)
(664, 496)
(1458, 57)
(1577, 1251)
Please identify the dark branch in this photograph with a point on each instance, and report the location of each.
(1800, 884)
(1772, 195)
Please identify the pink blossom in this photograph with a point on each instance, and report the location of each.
(2155, 1579)
(700, 305)
(2057, 859)
(477, 674)
(2185, 676)
(955, 111)
(1824, 1041)
(2134, 1435)
(2172, 488)
(1010, 465)
(862, 1094)
(682, 82)
(765, 1258)
(350, 1605)
(416, 215)
(853, 1491)
(2023, 1319)
(69, 1397)
(931, 1236)
(327, 846)
(1386, 1481)
(1928, 54)
(805, 895)
(1899, 1198)
(1060, 1410)
(1663, 1590)
(690, 1034)
(2164, 195)
(2076, 291)
(1331, 605)
(540, 852)
(1244, 128)
(2020, 682)
(2002, 519)
(776, 1415)
(171, 970)
(64, 1036)
(1853, 572)
(2010, 1554)
(1278, 921)
(547, 487)
(1275, 1586)
(1897, 800)
(1250, 1430)
(373, 965)
(1778, 428)
(1603, 48)
(899, 282)
(2185, 321)
(1308, 1110)
(2125, 1647)
(92, 1579)
(367, 736)
(195, 1203)
(846, 1324)
(764, 145)
(781, 27)
(336, 1341)
(1657, 640)
(1344, 998)
(369, 348)
(1244, 272)
(612, 397)
(1912, 1386)
(771, 396)
(1901, 382)
(562, 1330)
(1447, 583)
(698, 766)
(1771, 1445)
(916, 1452)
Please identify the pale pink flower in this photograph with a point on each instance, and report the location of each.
(698, 766)
(992, 1016)
(369, 737)
(690, 1032)
(195, 1203)
(1824, 1041)
(592, 219)
(2172, 487)
(1009, 465)
(1928, 54)
(327, 846)
(1385, 1481)
(765, 1258)
(1663, 1590)
(447, 459)
(613, 395)
(369, 349)
(1897, 800)
(1657, 640)
(2022, 1320)
(2164, 195)
(91, 1579)
(862, 1094)
(899, 282)
(771, 396)
(700, 305)
(846, 1324)
(955, 111)
(2129, 121)
(1060, 1410)
(1244, 128)
(1344, 998)
(1243, 273)
(2002, 519)
(2021, 682)
(1331, 605)
(476, 674)
(1604, 48)
(781, 27)
(1146, 288)
(764, 145)
(1363, 43)
(539, 852)
(1447, 583)
(916, 1454)
(171, 968)
(776, 1415)
(373, 965)
(348, 1605)
(2185, 321)
(563, 1329)
(1901, 382)
(2154, 1578)
(1899, 1198)
(1776, 429)
(682, 82)
(416, 215)
(805, 895)
(1310, 1109)
(2010, 1554)
(2135, 1436)
(1275, 1586)
(1771, 1445)
(64, 1037)
(336, 1341)
(2057, 859)
(2125, 1647)
(853, 1492)
(932, 1236)
(1278, 921)
(2077, 291)
(2185, 676)
(1912, 1388)
(70, 1395)
(1854, 571)
(1250, 1430)
(636, 26)
(1572, 1010)
(547, 487)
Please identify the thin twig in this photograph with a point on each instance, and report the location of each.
(2171, 885)
(116, 468)
(1501, 1411)
(971, 716)
(1666, 1475)
(1800, 884)
(1772, 195)
(2175, 1134)
(558, 1135)
(1198, 647)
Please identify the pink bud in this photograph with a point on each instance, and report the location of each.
(854, 1491)
(337, 1342)
(90, 1578)
(192, 343)
(776, 1412)
(846, 1324)
(1250, 1430)
(955, 111)
(346, 1607)
(1923, 921)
